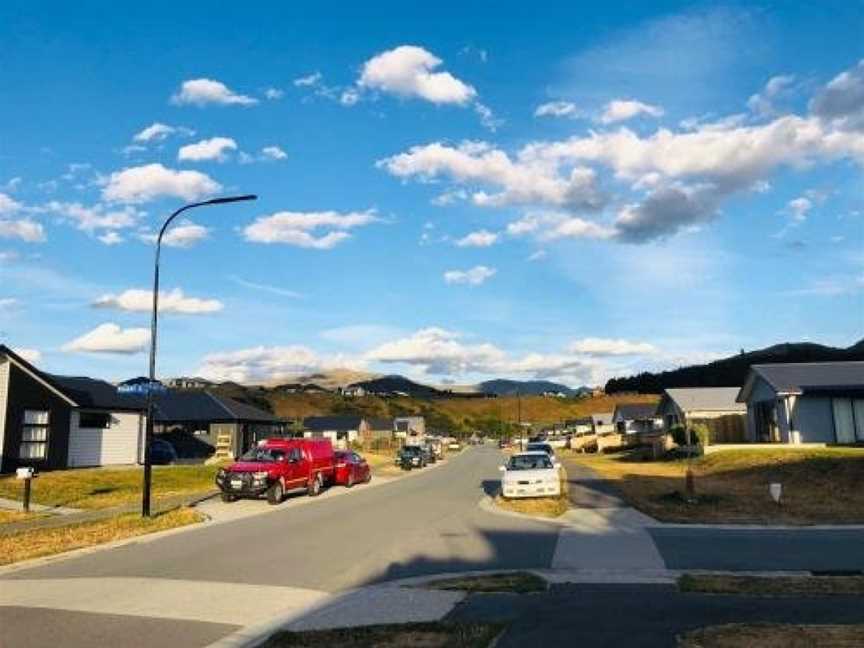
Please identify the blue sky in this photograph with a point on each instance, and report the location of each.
(450, 192)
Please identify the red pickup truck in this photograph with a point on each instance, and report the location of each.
(276, 466)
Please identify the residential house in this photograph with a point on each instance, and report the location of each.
(200, 424)
(410, 427)
(378, 429)
(580, 426)
(52, 422)
(813, 402)
(636, 418)
(341, 430)
(189, 383)
(602, 423)
(715, 407)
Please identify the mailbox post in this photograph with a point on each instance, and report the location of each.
(27, 475)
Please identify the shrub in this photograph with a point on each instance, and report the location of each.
(702, 433)
(679, 435)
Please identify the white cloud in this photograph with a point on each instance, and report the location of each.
(408, 71)
(8, 204)
(763, 103)
(624, 109)
(557, 109)
(841, 101)
(297, 228)
(110, 338)
(25, 229)
(480, 238)
(200, 92)
(157, 132)
(97, 217)
(172, 301)
(472, 277)
(521, 182)
(539, 255)
(349, 97)
(799, 208)
(30, 355)
(273, 153)
(550, 225)
(309, 80)
(145, 183)
(214, 148)
(7, 302)
(273, 93)
(610, 347)
(259, 364)
(111, 238)
(276, 290)
(182, 235)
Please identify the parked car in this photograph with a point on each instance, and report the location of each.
(162, 452)
(351, 469)
(530, 474)
(277, 466)
(429, 453)
(541, 447)
(411, 457)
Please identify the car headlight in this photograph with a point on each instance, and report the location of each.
(260, 476)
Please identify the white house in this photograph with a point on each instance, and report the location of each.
(678, 405)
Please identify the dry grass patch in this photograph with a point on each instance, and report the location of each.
(515, 582)
(408, 635)
(46, 542)
(382, 463)
(7, 517)
(773, 586)
(770, 635)
(96, 488)
(819, 485)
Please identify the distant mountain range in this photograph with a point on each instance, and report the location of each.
(505, 387)
(732, 371)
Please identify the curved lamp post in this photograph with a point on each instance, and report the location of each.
(148, 434)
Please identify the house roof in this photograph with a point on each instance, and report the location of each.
(177, 406)
(636, 411)
(806, 377)
(45, 379)
(327, 423)
(97, 394)
(380, 423)
(707, 399)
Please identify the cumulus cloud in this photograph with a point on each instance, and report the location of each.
(30, 355)
(8, 204)
(273, 153)
(521, 182)
(95, 217)
(110, 338)
(25, 229)
(157, 132)
(472, 277)
(300, 228)
(409, 71)
(172, 301)
(557, 109)
(480, 238)
(259, 364)
(798, 209)
(841, 101)
(308, 81)
(182, 235)
(550, 225)
(151, 181)
(624, 109)
(214, 148)
(201, 92)
(592, 346)
(110, 238)
(763, 103)
(273, 93)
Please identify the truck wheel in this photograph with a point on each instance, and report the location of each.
(275, 493)
(228, 498)
(315, 486)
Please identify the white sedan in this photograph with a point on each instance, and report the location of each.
(530, 474)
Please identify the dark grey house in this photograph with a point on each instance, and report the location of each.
(52, 422)
(636, 418)
(341, 430)
(813, 402)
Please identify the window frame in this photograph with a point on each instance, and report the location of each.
(25, 426)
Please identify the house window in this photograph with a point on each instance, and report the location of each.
(94, 420)
(34, 435)
(848, 419)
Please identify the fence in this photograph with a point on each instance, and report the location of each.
(724, 429)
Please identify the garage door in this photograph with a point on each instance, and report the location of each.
(91, 444)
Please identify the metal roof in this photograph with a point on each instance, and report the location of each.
(97, 394)
(329, 423)
(710, 399)
(802, 377)
(636, 411)
(180, 406)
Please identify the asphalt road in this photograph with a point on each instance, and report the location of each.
(191, 588)
(425, 524)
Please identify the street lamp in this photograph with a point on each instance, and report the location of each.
(148, 433)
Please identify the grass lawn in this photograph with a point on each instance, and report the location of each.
(381, 463)
(516, 582)
(45, 542)
(95, 488)
(407, 635)
(17, 516)
(550, 507)
(772, 586)
(819, 485)
(769, 635)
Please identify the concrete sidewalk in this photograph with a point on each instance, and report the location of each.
(18, 505)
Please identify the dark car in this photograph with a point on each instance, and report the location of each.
(429, 453)
(411, 457)
(162, 452)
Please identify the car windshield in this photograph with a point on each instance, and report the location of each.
(529, 462)
(411, 450)
(263, 455)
